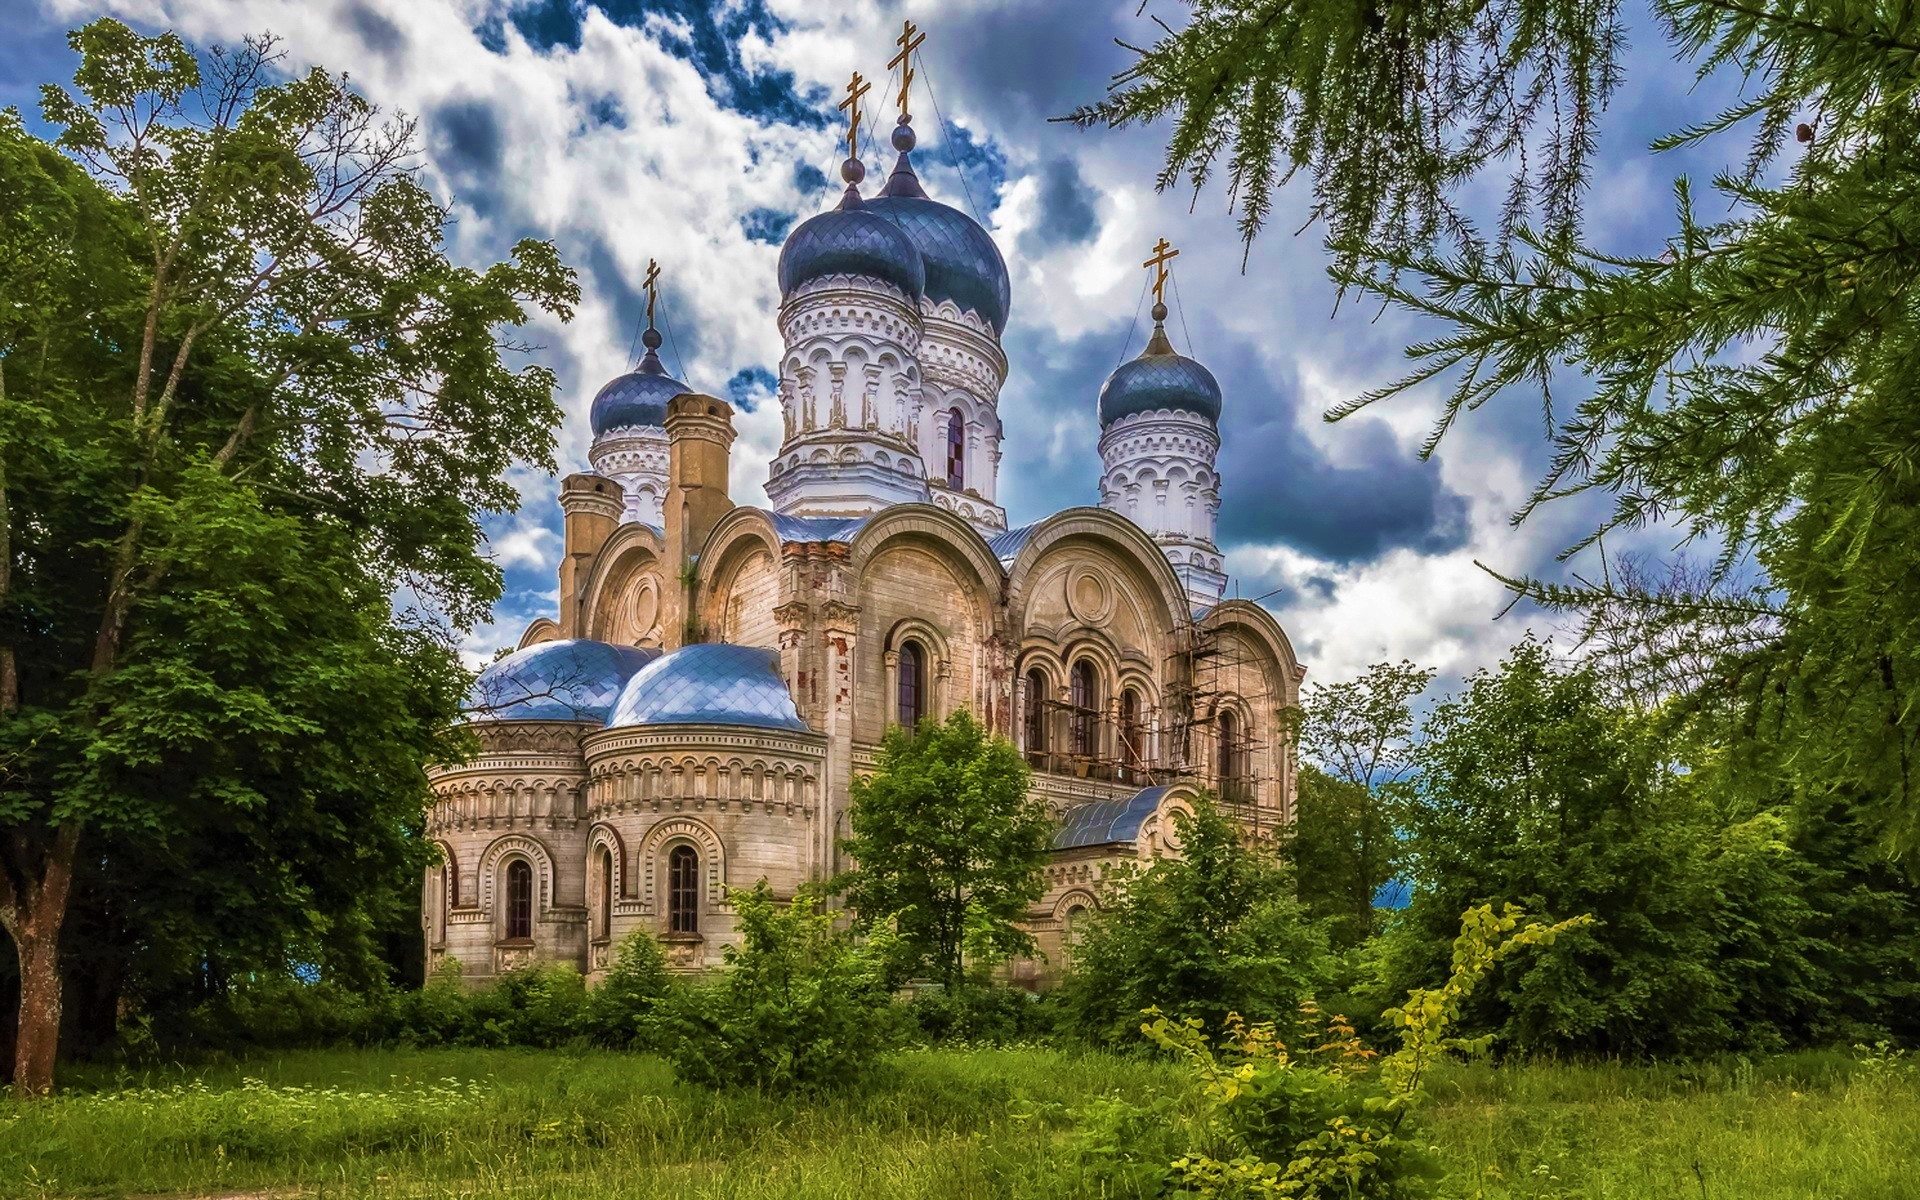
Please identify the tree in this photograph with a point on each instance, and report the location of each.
(1753, 380)
(799, 1006)
(1212, 932)
(949, 843)
(1343, 841)
(1714, 928)
(245, 403)
(1391, 108)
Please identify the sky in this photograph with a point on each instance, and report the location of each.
(698, 134)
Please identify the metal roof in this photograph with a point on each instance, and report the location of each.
(1104, 822)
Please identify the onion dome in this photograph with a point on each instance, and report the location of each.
(1159, 379)
(962, 263)
(640, 396)
(849, 240)
(573, 680)
(709, 683)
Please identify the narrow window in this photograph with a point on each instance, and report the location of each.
(1080, 684)
(1230, 772)
(606, 892)
(1133, 750)
(683, 890)
(913, 670)
(1036, 712)
(519, 899)
(956, 450)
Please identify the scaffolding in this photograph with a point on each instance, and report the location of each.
(1107, 742)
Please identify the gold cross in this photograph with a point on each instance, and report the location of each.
(856, 88)
(908, 41)
(1163, 254)
(652, 284)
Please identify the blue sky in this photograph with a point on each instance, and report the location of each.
(697, 134)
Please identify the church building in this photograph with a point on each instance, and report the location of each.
(690, 720)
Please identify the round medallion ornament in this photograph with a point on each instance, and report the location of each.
(646, 609)
(1089, 597)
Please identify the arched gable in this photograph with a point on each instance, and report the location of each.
(740, 578)
(542, 629)
(1123, 537)
(622, 599)
(950, 537)
(1259, 626)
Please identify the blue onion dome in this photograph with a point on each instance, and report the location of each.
(1159, 379)
(573, 680)
(962, 263)
(849, 240)
(640, 396)
(709, 683)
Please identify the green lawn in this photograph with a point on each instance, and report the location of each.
(525, 1123)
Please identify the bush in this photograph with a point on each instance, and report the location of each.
(1326, 1119)
(799, 1007)
(1215, 931)
(623, 1011)
(979, 1012)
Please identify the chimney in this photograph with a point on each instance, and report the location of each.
(592, 504)
(699, 441)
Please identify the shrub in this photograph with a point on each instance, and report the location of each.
(799, 1006)
(1215, 931)
(622, 1012)
(982, 1013)
(1327, 1118)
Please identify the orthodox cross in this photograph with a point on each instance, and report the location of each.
(908, 41)
(1163, 254)
(856, 88)
(652, 284)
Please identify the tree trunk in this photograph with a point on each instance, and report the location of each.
(38, 911)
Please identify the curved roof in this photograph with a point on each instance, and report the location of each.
(1159, 379)
(1104, 822)
(572, 680)
(709, 683)
(850, 240)
(637, 398)
(962, 263)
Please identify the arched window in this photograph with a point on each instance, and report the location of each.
(519, 899)
(1035, 714)
(606, 893)
(1231, 756)
(1075, 929)
(913, 683)
(1133, 740)
(437, 906)
(956, 450)
(683, 889)
(1085, 702)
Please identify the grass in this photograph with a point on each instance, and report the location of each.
(939, 1124)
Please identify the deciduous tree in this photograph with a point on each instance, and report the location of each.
(247, 401)
(949, 842)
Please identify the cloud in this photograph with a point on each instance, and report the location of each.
(697, 133)
(1067, 214)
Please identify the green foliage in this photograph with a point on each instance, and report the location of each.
(1392, 109)
(1752, 380)
(979, 1012)
(1357, 738)
(949, 845)
(1326, 1118)
(261, 403)
(932, 1127)
(1212, 932)
(799, 1007)
(1721, 923)
(621, 1011)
